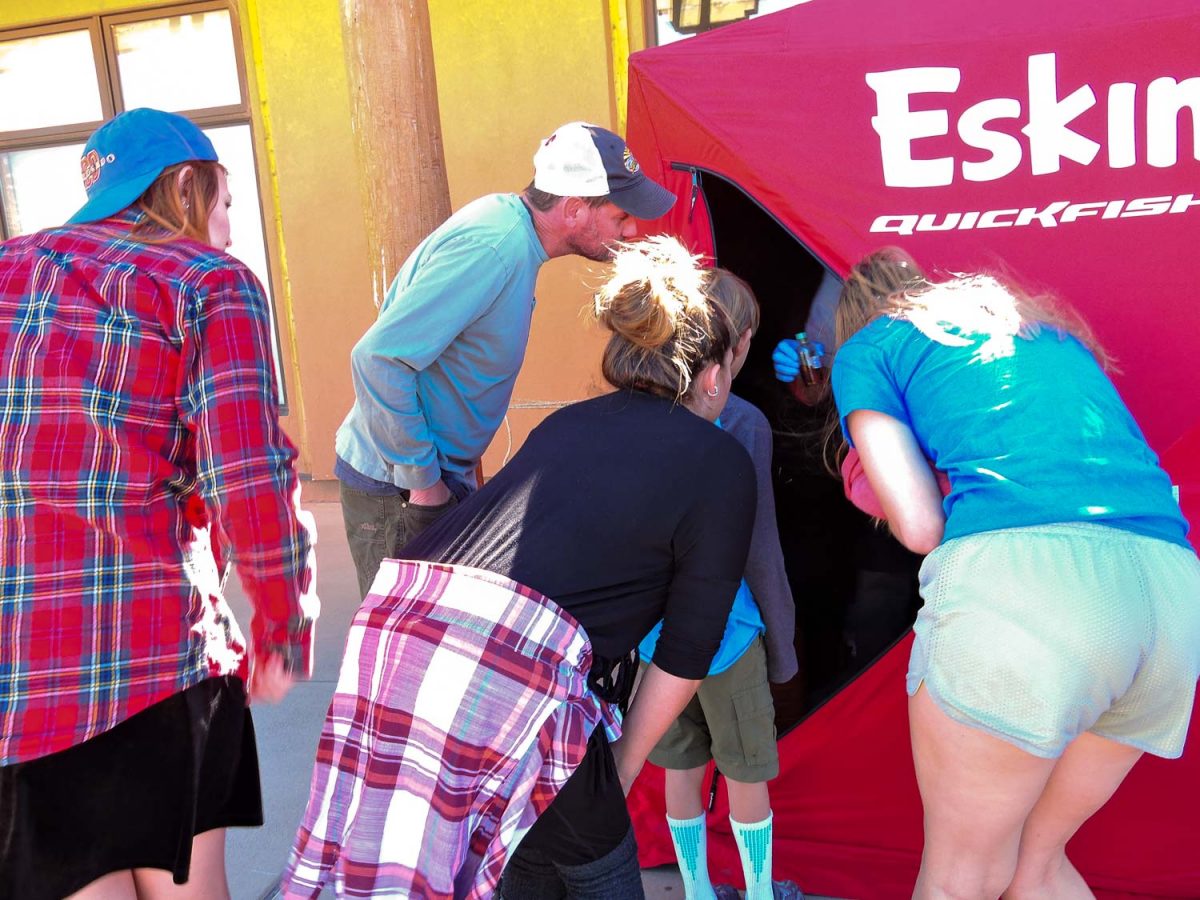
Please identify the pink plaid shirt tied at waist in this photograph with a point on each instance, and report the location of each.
(462, 709)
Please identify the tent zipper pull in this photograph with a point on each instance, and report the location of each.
(695, 193)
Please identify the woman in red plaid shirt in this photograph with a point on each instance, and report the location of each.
(136, 400)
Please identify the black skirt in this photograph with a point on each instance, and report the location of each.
(588, 819)
(132, 797)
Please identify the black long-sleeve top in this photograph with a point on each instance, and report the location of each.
(622, 509)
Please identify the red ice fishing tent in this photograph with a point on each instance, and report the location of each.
(1060, 139)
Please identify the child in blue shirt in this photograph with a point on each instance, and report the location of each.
(732, 717)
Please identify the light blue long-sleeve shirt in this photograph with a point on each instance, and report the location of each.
(434, 375)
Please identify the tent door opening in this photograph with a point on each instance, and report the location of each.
(854, 585)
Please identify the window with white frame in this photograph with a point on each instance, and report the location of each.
(59, 81)
(674, 20)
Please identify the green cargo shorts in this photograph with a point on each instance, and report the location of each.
(730, 720)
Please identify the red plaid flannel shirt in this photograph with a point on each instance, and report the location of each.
(133, 377)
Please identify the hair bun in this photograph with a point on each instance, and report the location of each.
(654, 284)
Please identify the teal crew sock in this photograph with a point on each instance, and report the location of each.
(691, 849)
(754, 845)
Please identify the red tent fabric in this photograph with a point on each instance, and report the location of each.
(1061, 140)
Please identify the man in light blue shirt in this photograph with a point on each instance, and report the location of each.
(433, 376)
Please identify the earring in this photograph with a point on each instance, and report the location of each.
(713, 393)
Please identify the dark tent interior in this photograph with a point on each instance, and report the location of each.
(854, 585)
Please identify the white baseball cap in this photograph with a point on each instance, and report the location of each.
(584, 160)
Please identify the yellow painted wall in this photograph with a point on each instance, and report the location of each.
(297, 70)
(17, 13)
(508, 74)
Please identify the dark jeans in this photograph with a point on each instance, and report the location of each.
(532, 875)
(378, 526)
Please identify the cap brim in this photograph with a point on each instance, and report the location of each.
(111, 202)
(645, 200)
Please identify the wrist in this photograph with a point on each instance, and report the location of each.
(293, 646)
(628, 775)
(434, 495)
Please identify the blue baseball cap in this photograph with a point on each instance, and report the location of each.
(125, 154)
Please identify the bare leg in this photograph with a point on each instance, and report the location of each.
(206, 878)
(682, 788)
(748, 803)
(1088, 773)
(113, 886)
(977, 791)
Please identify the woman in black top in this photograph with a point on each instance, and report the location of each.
(623, 509)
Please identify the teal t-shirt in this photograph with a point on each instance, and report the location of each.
(433, 376)
(744, 625)
(1029, 431)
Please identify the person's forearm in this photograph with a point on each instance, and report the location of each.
(901, 478)
(390, 412)
(660, 699)
(766, 573)
(272, 546)
(245, 464)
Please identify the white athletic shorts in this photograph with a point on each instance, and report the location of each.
(1038, 634)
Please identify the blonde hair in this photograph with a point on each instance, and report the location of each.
(885, 273)
(879, 276)
(665, 328)
(736, 298)
(889, 283)
(181, 210)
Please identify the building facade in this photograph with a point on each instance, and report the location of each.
(268, 80)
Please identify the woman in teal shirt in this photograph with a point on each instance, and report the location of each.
(1060, 636)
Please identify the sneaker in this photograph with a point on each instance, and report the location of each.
(783, 890)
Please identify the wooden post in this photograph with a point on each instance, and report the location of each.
(389, 60)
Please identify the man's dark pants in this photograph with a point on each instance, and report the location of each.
(378, 526)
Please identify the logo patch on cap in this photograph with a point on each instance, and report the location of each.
(90, 165)
(631, 164)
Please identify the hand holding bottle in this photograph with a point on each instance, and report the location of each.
(786, 359)
(800, 363)
(799, 359)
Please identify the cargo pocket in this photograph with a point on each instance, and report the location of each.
(755, 713)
